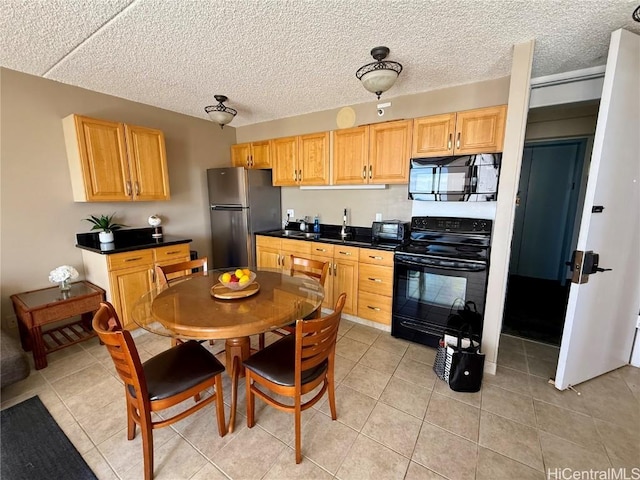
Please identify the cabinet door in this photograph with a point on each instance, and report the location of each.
(268, 252)
(299, 248)
(148, 163)
(345, 260)
(313, 159)
(480, 131)
(350, 156)
(261, 154)
(127, 286)
(240, 155)
(97, 155)
(324, 253)
(284, 156)
(433, 136)
(389, 152)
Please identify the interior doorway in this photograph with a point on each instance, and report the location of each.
(543, 235)
(550, 193)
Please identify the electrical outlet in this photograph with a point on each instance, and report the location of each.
(378, 217)
(12, 322)
(291, 213)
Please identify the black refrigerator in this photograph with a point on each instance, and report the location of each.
(241, 203)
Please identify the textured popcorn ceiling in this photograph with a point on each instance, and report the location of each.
(280, 58)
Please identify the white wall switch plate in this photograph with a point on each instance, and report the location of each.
(290, 213)
(378, 217)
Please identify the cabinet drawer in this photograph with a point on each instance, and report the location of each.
(136, 258)
(376, 257)
(375, 279)
(172, 252)
(296, 246)
(320, 249)
(374, 307)
(349, 253)
(268, 242)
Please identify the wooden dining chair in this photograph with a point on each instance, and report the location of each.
(165, 274)
(316, 269)
(161, 382)
(294, 366)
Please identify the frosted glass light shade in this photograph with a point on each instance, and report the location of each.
(219, 117)
(378, 81)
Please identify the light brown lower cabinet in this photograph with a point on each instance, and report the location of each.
(375, 285)
(365, 275)
(127, 276)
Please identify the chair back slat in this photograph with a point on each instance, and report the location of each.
(166, 273)
(122, 349)
(315, 269)
(316, 339)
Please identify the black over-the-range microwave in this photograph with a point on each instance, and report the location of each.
(462, 178)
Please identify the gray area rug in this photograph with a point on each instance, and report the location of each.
(33, 447)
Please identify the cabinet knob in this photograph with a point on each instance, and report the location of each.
(449, 143)
(458, 140)
(370, 172)
(128, 188)
(364, 172)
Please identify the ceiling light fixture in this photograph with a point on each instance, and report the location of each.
(220, 113)
(379, 76)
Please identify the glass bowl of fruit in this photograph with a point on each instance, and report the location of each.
(238, 279)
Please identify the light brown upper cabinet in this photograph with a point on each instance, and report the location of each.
(112, 161)
(372, 154)
(301, 160)
(461, 133)
(251, 155)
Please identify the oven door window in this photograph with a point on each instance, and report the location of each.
(429, 295)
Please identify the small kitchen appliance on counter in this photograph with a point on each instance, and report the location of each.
(440, 277)
(390, 231)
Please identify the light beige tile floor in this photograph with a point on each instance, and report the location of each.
(396, 420)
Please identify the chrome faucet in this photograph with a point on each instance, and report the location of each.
(343, 231)
(286, 223)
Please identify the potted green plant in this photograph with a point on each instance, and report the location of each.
(106, 225)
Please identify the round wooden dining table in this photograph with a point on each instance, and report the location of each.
(186, 308)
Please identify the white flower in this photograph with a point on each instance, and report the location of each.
(62, 273)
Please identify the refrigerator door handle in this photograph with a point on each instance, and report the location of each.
(232, 208)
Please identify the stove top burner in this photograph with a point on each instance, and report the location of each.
(463, 238)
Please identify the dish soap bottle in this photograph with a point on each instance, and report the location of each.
(316, 224)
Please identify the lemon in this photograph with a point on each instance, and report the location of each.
(226, 277)
(244, 279)
(239, 273)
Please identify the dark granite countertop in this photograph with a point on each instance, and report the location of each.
(126, 241)
(358, 236)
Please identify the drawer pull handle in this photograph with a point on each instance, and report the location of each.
(133, 259)
(344, 253)
(375, 257)
(375, 279)
(173, 252)
(373, 308)
(321, 249)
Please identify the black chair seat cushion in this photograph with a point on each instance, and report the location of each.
(276, 363)
(178, 369)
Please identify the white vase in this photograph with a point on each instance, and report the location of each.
(105, 237)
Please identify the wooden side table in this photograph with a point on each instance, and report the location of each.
(38, 308)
